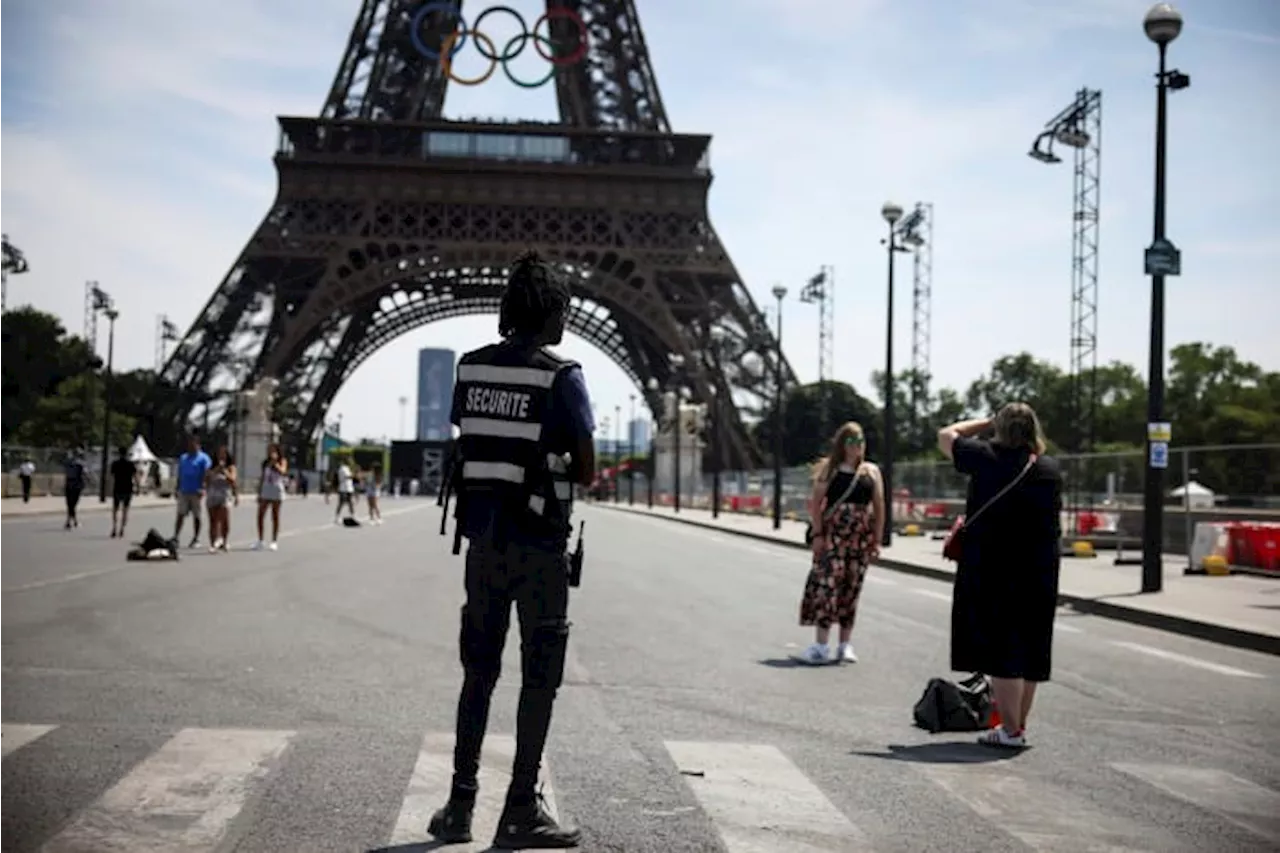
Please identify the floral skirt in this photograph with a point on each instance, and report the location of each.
(835, 581)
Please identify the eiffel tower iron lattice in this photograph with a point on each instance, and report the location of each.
(389, 217)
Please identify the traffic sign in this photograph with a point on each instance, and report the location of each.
(1163, 258)
(1159, 457)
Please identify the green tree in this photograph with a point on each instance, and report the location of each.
(806, 433)
(72, 416)
(37, 356)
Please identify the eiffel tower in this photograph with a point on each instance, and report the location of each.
(389, 217)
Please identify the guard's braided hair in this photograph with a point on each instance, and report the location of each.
(533, 296)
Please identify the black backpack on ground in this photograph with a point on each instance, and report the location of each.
(949, 707)
(154, 547)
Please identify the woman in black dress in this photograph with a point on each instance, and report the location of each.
(847, 512)
(1006, 587)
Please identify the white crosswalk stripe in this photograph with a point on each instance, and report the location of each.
(1040, 815)
(202, 789)
(1252, 806)
(182, 798)
(429, 788)
(17, 736)
(760, 801)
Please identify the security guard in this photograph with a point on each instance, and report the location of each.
(525, 436)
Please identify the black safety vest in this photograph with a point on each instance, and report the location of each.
(504, 405)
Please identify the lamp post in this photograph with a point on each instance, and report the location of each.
(404, 401)
(652, 466)
(112, 314)
(778, 293)
(631, 454)
(617, 454)
(891, 212)
(713, 411)
(1163, 23)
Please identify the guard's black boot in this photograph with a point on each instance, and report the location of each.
(528, 826)
(452, 824)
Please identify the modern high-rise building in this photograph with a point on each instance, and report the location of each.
(435, 394)
(638, 433)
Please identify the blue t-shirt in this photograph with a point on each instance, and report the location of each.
(191, 470)
(569, 422)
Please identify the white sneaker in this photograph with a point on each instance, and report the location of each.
(999, 737)
(274, 547)
(845, 653)
(816, 654)
(257, 546)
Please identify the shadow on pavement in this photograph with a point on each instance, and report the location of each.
(943, 753)
(422, 847)
(794, 663)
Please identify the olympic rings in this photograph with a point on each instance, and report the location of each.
(456, 38)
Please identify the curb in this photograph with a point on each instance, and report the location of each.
(1222, 635)
(11, 515)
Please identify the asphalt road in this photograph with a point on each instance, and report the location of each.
(302, 700)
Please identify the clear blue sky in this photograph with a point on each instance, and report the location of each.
(137, 139)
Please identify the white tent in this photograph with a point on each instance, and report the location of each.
(1194, 494)
(139, 452)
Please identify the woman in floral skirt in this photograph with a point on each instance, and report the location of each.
(847, 509)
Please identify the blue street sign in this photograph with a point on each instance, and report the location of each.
(1159, 454)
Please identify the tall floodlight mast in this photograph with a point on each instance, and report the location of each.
(915, 232)
(822, 290)
(1079, 127)
(921, 320)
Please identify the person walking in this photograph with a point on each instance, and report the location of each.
(223, 487)
(124, 482)
(26, 471)
(847, 512)
(372, 492)
(346, 491)
(192, 468)
(1006, 586)
(526, 428)
(271, 494)
(73, 485)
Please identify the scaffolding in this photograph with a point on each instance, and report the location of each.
(1079, 127)
(820, 289)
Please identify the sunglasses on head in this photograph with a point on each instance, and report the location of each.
(853, 439)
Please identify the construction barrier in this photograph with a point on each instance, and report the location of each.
(1256, 545)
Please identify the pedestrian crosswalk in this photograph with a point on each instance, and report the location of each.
(209, 789)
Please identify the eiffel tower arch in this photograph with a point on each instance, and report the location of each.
(389, 217)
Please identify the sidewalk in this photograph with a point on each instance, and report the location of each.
(1235, 610)
(57, 505)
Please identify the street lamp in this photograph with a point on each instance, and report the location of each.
(111, 314)
(1162, 24)
(404, 401)
(617, 454)
(892, 212)
(713, 428)
(778, 293)
(631, 455)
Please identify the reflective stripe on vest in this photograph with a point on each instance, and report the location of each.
(559, 468)
(498, 375)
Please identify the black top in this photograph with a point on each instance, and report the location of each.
(863, 489)
(74, 468)
(122, 475)
(1023, 526)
